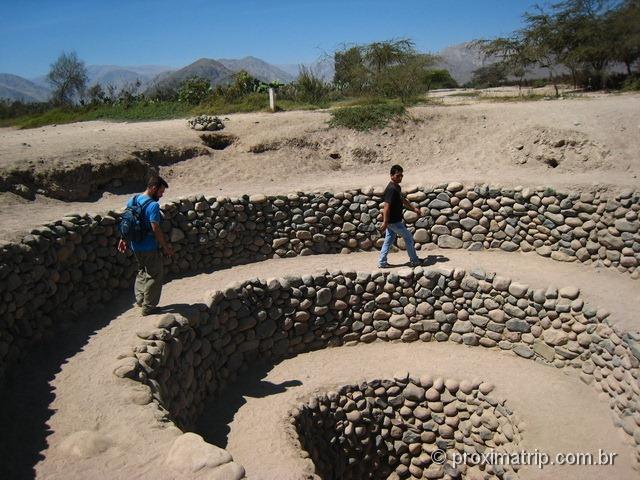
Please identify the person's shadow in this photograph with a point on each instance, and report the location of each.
(433, 259)
(219, 411)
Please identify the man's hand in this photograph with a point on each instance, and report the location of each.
(122, 246)
(382, 227)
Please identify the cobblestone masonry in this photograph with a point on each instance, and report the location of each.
(186, 360)
(61, 269)
(405, 427)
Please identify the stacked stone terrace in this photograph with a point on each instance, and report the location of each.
(185, 361)
(61, 269)
(70, 266)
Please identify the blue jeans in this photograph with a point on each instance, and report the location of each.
(394, 229)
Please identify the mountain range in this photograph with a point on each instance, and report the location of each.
(14, 87)
(460, 60)
(220, 72)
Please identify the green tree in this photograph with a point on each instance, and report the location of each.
(350, 71)
(405, 79)
(68, 77)
(194, 90)
(572, 33)
(492, 75)
(438, 78)
(310, 87)
(381, 55)
(96, 94)
(390, 68)
(624, 24)
(594, 42)
(514, 53)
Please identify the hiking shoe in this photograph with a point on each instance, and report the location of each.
(415, 264)
(384, 265)
(138, 304)
(149, 311)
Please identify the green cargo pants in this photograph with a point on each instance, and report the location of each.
(148, 286)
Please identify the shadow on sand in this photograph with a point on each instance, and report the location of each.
(26, 393)
(218, 412)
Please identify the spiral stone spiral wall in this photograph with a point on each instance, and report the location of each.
(64, 268)
(186, 360)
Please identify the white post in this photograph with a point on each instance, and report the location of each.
(272, 99)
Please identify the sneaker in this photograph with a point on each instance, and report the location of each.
(384, 265)
(149, 311)
(415, 264)
(138, 304)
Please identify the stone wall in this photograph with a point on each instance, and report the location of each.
(186, 360)
(61, 269)
(417, 427)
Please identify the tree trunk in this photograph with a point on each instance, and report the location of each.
(552, 79)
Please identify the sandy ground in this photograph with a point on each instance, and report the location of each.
(67, 386)
(478, 142)
(256, 410)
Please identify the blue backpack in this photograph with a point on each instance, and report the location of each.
(133, 226)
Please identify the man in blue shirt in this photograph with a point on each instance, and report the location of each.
(148, 285)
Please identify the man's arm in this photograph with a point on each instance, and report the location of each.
(157, 232)
(385, 216)
(122, 246)
(408, 205)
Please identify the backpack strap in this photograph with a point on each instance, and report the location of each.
(145, 203)
(143, 208)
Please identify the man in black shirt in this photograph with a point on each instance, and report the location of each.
(392, 219)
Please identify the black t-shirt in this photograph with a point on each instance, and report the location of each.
(393, 196)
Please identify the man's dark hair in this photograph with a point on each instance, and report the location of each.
(156, 181)
(396, 169)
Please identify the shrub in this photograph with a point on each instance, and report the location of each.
(310, 87)
(194, 90)
(366, 117)
(632, 83)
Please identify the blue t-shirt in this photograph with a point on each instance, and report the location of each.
(151, 215)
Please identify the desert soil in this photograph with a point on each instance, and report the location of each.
(67, 387)
(594, 140)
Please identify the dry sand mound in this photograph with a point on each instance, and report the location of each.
(569, 150)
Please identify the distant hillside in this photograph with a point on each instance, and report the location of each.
(13, 87)
(258, 69)
(208, 68)
(115, 75)
(461, 60)
(120, 77)
(323, 68)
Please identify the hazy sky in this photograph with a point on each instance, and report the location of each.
(175, 33)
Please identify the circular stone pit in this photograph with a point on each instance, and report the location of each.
(188, 359)
(406, 427)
